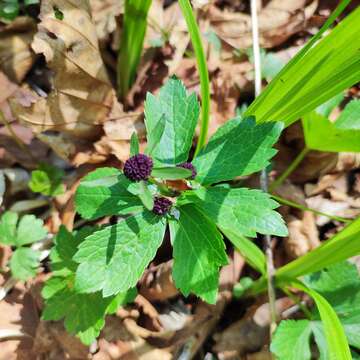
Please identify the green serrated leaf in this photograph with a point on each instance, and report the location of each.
(134, 144)
(29, 230)
(154, 137)
(83, 314)
(8, 228)
(47, 180)
(180, 113)
(93, 202)
(66, 244)
(113, 259)
(349, 119)
(292, 340)
(240, 210)
(24, 263)
(238, 148)
(146, 196)
(171, 173)
(198, 253)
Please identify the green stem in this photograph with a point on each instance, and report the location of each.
(202, 68)
(305, 208)
(298, 302)
(296, 162)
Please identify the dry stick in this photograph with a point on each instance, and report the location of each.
(264, 178)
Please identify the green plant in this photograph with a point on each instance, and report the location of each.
(18, 234)
(47, 180)
(131, 43)
(109, 261)
(338, 287)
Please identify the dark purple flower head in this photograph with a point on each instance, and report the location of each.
(138, 167)
(189, 166)
(162, 205)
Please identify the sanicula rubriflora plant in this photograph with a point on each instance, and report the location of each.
(96, 269)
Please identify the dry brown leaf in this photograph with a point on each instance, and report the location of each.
(157, 283)
(104, 13)
(82, 96)
(251, 332)
(278, 20)
(303, 235)
(16, 56)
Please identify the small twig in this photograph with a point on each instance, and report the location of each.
(264, 177)
(296, 162)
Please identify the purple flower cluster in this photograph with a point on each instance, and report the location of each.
(189, 166)
(138, 167)
(162, 205)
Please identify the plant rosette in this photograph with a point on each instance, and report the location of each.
(197, 217)
(161, 189)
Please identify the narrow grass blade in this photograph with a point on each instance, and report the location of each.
(316, 74)
(131, 43)
(334, 331)
(202, 68)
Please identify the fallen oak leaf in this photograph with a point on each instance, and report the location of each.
(82, 96)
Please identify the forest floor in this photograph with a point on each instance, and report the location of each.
(160, 324)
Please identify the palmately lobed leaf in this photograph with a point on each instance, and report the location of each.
(113, 259)
(181, 113)
(83, 314)
(18, 233)
(240, 147)
(100, 200)
(198, 252)
(24, 263)
(240, 210)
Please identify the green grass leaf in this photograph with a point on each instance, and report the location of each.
(171, 173)
(181, 113)
(240, 210)
(131, 43)
(27, 231)
(248, 249)
(47, 180)
(340, 247)
(340, 285)
(292, 340)
(113, 259)
(336, 291)
(24, 263)
(349, 119)
(198, 253)
(240, 147)
(94, 201)
(337, 344)
(316, 74)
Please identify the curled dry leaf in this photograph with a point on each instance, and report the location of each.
(82, 96)
(104, 13)
(303, 235)
(250, 333)
(278, 20)
(16, 57)
(157, 283)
